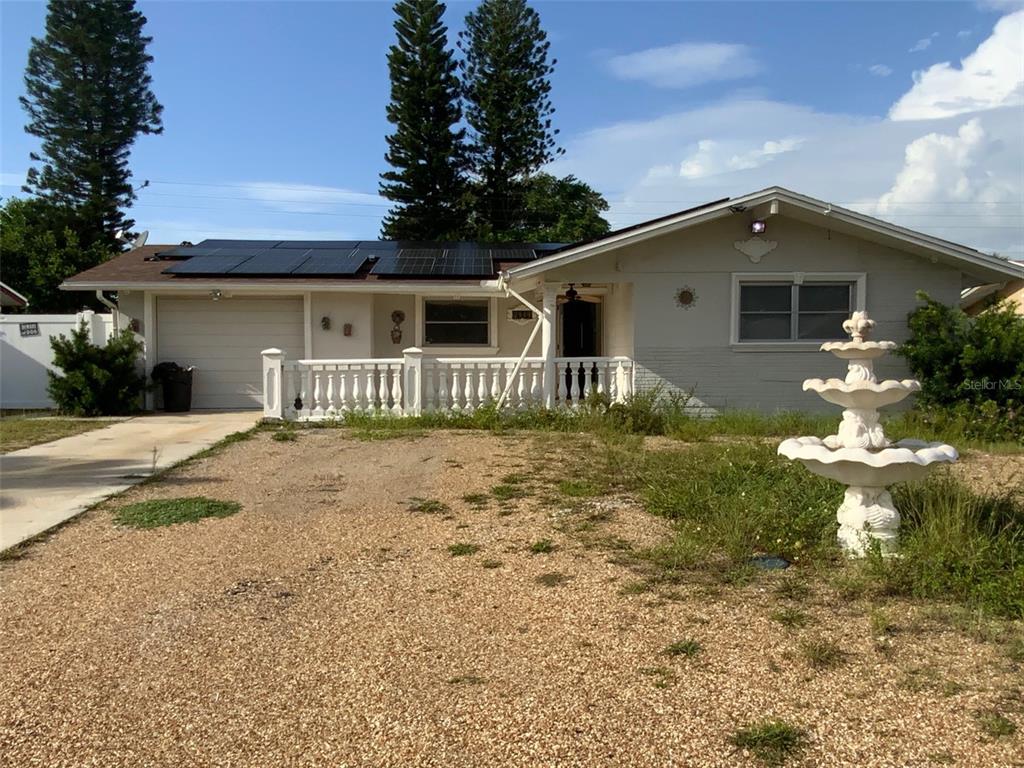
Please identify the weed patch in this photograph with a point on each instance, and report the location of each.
(159, 512)
(461, 549)
(771, 741)
(687, 648)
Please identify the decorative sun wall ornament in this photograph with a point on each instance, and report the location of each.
(755, 248)
(397, 317)
(686, 297)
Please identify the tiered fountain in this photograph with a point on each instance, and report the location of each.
(859, 455)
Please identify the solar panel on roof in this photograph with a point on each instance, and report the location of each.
(207, 265)
(237, 244)
(427, 262)
(318, 244)
(512, 254)
(331, 262)
(271, 261)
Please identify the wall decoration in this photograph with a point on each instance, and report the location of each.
(325, 323)
(520, 315)
(397, 317)
(346, 329)
(686, 297)
(755, 248)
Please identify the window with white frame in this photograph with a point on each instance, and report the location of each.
(788, 311)
(454, 322)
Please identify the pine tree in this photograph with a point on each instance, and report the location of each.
(425, 149)
(88, 98)
(506, 86)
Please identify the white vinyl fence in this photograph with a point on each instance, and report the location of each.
(25, 353)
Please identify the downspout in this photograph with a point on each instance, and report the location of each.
(529, 342)
(115, 314)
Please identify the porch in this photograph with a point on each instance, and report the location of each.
(416, 383)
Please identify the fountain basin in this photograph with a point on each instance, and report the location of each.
(904, 461)
(862, 395)
(858, 350)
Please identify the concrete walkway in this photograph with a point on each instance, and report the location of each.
(47, 484)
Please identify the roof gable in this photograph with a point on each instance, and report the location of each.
(777, 200)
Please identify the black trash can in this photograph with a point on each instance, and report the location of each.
(176, 383)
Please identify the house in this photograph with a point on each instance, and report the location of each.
(976, 298)
(10, 298)
(726, 301)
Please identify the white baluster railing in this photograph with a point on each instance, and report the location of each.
(313, 390)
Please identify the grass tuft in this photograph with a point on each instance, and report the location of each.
(543, 547)
(821, 653)
(462, 548)
(689, 648)
(428, 506)
(491, 564)
(791, 617)
(508, 491)
(553, 579)
(159, 512)
(995, 725)
(771, 741)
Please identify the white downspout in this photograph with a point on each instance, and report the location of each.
(114, 313)
(529, 342)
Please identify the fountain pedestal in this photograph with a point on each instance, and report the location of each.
(859, 455)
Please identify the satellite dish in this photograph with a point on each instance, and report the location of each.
(140, 241)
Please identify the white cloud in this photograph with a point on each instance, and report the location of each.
(686, 64)
(964, 33)
(880, 69)
(990, 77)
(712, 157)
(309, 198)
(9, 179)
(923, 44)
(949, 175)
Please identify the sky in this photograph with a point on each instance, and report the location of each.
(274, 123)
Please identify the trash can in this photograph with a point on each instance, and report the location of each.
(176, 383)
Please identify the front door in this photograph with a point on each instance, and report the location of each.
(579, 329)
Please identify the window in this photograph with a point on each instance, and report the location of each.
(454, 322)
(786, 311)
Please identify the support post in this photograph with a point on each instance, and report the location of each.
(547, 342)
(273, 385)
(413, 369)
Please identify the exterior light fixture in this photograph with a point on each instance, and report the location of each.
(758, 226)
(215, 294)
(325, 323)
(572, 294)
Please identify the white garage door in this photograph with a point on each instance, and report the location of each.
(223, 340)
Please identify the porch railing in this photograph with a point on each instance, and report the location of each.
(312, 390)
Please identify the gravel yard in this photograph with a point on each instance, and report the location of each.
(329, 623)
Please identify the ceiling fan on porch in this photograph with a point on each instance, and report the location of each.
(572, 295)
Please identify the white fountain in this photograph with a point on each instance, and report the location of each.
(859, 455)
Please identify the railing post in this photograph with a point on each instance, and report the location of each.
(413, 368)
(547, 342)
(623, 378)
(273, 407)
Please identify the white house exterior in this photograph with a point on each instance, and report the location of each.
(692, 301)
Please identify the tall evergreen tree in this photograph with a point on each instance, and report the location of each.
(425, 150)
(506, 86)
(88, 99)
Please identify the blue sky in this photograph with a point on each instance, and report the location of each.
(274, 111)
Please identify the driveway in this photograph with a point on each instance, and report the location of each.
(47, 484)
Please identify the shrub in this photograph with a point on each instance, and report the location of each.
(971, 369)
(97, 381)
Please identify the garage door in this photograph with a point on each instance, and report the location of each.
(223, 340)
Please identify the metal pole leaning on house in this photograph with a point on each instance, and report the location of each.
(273, 363)
(519, 363)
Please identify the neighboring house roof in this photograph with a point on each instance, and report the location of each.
(981, 265)
(970, 297)
(10, 297)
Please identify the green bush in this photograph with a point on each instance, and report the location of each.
(971, 369)
(96, 381)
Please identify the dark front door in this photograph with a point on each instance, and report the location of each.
(579, 329)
